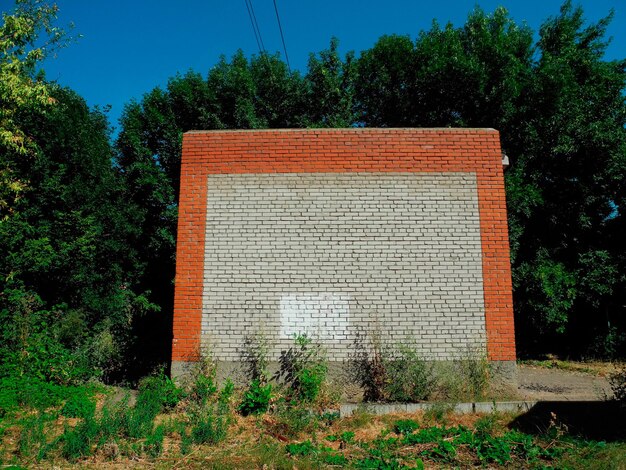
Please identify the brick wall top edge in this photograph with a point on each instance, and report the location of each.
(374, 130)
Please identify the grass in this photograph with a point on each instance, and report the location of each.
(218, 437)
(204, 427)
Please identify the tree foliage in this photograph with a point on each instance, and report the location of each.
(68, 272)
(21, 90)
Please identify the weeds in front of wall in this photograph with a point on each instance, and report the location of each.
(256, 399)
(410, 378)
(303, 369)
(255, 357)
(254, 354)
(391, 373)
(366, 365)
(465, 378)
(204, 384)
(473, 374)
(399, 373)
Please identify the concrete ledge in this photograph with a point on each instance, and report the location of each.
(349, 409)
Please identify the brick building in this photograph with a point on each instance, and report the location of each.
(334, 231)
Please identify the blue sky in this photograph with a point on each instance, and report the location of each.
(130, 46)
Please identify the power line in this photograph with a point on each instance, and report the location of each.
(254, 27)
(282, 37)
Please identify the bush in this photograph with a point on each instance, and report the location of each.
(391, 373)
(367, 367)
(409, 378)
(32, 392)
(256, 400)
(203, 388)
(303, 369)
(79, 405)
(254, 356)
(204, 385)
(226, 393)
(30, 343)
(472, 375)
(160, 387)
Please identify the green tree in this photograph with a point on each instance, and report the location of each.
(68, 270)
(572, 154)
(21, 90)
(330, 89)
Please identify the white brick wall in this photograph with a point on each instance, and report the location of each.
(330, 253)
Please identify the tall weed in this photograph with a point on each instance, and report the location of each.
(389, 373)
(209, 427)
(303, 369)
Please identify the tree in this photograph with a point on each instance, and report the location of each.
(68, 270)
(20, 89)
(330, 89)
(573, 155)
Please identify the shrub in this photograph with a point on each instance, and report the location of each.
(254, 355)
(226, 393)
(409, 378)
(256, 399)
(79, 405)
(203, 388)
(204, 384)
(32, 392)
(367, 367)
(30, 343)
(161, 388)
(303, 368)
(472, 375)
(390, 373)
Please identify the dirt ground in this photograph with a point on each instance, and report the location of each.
(537, 383)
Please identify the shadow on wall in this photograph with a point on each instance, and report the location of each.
(592, 420)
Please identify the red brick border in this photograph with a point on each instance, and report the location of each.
(343, 151)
